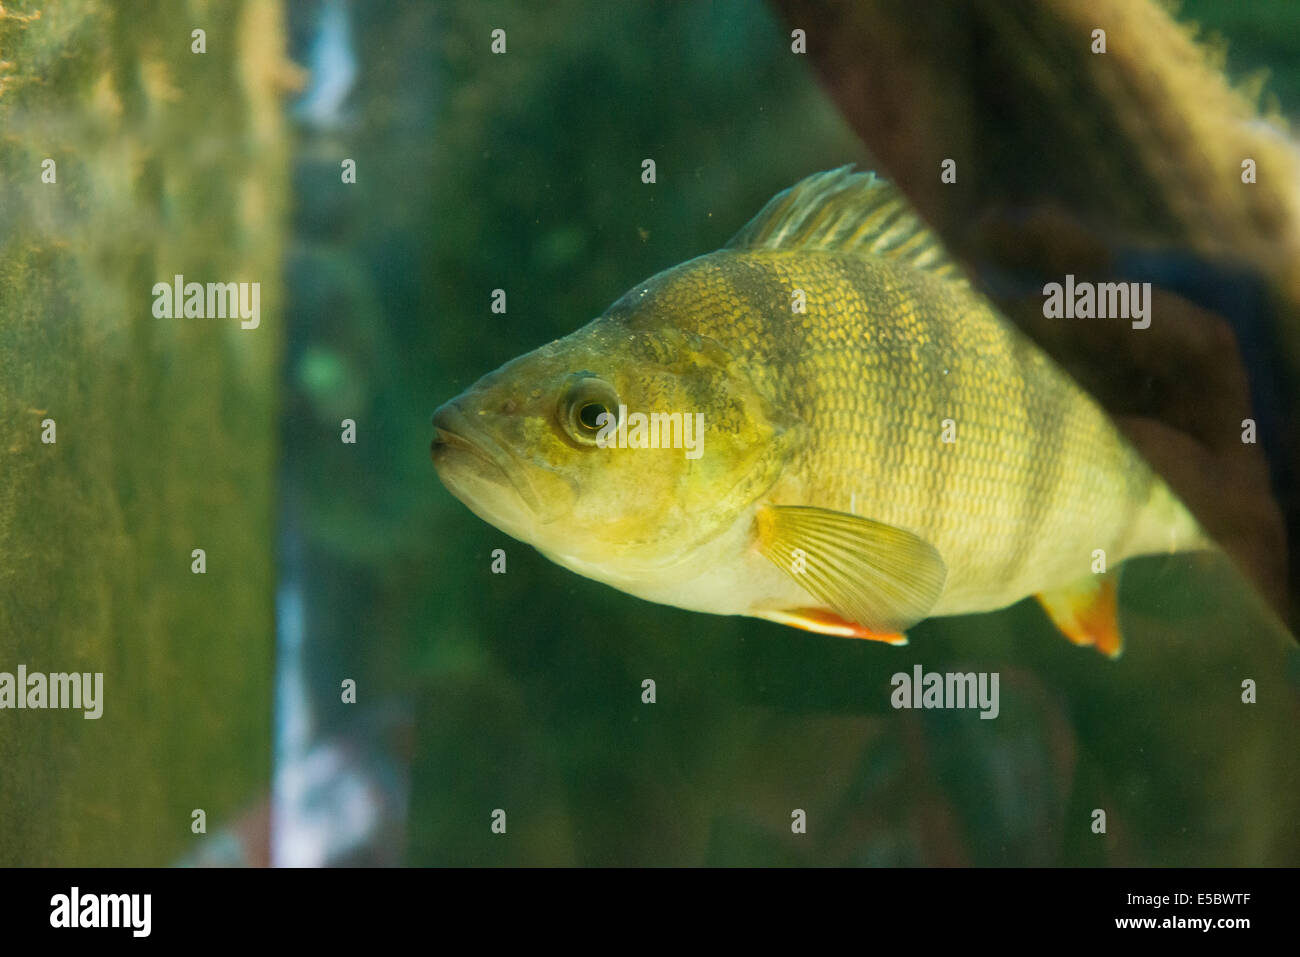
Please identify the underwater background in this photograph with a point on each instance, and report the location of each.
(331, 561)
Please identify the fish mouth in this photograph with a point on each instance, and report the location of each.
(451, 431)
(465, 456)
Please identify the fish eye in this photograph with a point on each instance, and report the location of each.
(583, 403)
(589, 415)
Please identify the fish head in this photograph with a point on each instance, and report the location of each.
(547, 449)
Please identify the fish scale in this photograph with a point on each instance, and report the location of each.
(830, 499)
(1038, 476)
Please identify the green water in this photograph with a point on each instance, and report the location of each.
(522, 691)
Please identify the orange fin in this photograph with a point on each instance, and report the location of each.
(1088, 612)
(828, 623)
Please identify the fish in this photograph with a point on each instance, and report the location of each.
(879, 445)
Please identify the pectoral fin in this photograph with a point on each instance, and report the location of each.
(875, 576)
(1087, 611)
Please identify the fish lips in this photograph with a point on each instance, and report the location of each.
(476, 468)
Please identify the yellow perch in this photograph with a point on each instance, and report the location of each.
(820, 424)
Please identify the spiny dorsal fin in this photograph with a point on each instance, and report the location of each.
(840, 210)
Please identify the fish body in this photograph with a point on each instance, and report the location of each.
(880, 445)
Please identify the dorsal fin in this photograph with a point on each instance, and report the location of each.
(840, 210)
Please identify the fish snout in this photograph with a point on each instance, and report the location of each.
(463, 447)
(475, 462)
(450, 427)
(458, 441)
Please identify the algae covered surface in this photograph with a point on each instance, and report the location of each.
(166, 161)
